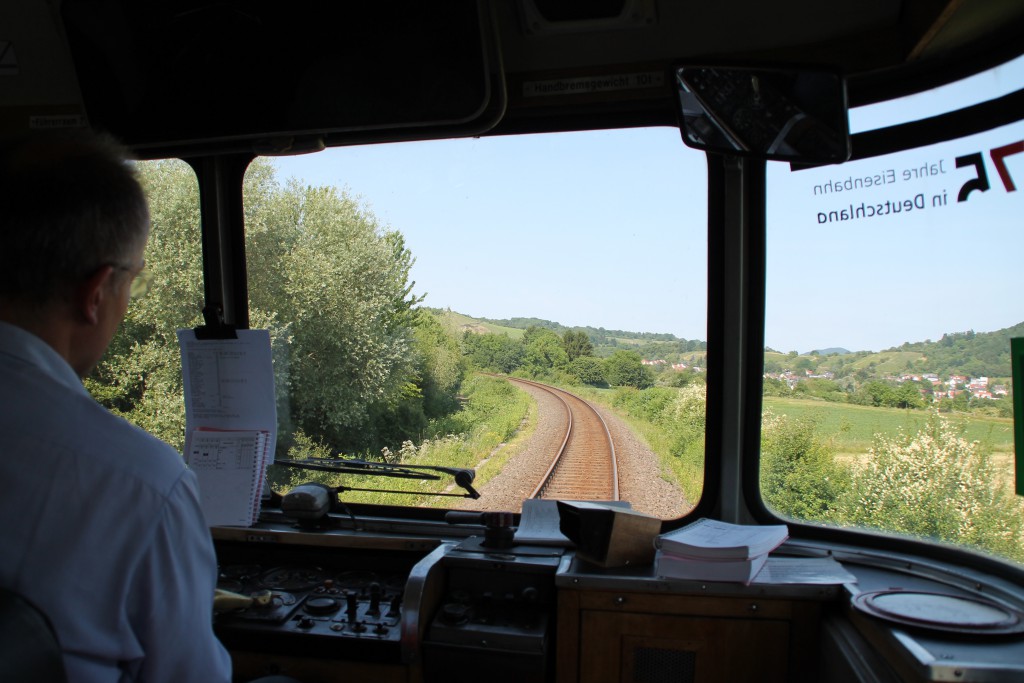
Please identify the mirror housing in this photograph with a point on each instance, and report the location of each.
(795, 115)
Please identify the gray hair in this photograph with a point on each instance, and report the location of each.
(69, 205)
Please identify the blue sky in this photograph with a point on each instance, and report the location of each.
(607, 229)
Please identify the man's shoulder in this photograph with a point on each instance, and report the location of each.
(57, 418)
(120, 444)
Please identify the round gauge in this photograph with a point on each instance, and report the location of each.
(322, 605)
(940, 611)
(292, 579)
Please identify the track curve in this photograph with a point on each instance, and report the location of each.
(584, 468)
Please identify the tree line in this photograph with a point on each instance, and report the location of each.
(568, 358)
(358, 364)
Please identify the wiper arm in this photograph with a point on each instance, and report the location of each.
(463, 476)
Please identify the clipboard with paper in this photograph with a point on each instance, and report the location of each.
(230, 420)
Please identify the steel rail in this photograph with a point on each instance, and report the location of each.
(560, 458)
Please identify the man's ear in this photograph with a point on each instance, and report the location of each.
(89, 295)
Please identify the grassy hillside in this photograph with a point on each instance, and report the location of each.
(463, 323)
(967, 353)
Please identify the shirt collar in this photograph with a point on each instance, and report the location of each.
(21, 344)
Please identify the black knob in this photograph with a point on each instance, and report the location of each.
(322, 605)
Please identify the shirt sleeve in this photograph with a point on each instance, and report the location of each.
(172, 596)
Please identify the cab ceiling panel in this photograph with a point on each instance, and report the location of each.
(186, 77)
(610, 62)
(535, 38)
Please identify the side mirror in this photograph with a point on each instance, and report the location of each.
(779, 114)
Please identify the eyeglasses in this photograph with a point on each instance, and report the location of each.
(140, 283)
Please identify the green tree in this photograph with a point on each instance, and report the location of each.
(775, 387)
(543, 352)
(875, 393)
(497, 352)
(625, 369)
(341, 283)
(577, 344)
(440, 365)
(325, 278)
(140, 375)
(908, 395)
(588, 370)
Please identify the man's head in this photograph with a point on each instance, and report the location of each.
(73, 227)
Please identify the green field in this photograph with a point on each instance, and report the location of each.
(854, 426)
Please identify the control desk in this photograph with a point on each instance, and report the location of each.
(336, 605)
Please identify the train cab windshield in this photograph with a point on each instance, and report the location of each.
(403, 282)
(685, 262)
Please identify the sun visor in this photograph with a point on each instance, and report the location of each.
(279, 77)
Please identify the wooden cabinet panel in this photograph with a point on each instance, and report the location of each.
(647, 648)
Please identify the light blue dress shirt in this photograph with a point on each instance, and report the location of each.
(100, 527)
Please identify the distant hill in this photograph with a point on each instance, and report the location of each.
(970, 353)
(653, 345)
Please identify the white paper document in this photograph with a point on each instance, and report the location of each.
(230, 466)
(804, 570)
(713, 539)
(230, 421)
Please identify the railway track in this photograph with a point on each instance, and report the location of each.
(584, 467)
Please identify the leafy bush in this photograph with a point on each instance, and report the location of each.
(936, 484)
(800, 477)
(625, 369)
(587, 370)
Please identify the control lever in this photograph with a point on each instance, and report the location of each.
(374, 609)
(498, 532)
(351, 605)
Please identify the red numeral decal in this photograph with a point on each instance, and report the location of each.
(1000, 153)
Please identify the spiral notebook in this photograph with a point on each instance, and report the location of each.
(230, 466)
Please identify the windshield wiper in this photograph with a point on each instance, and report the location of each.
(463, 476)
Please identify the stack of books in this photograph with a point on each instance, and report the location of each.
(710, 550)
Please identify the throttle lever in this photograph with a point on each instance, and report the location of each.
(498, 532)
